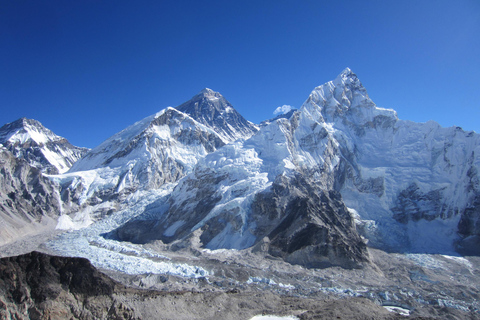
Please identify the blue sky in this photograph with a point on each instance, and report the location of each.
(88, 69)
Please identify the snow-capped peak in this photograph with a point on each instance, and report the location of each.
(30, 140)
(348, 79)
(211, 109)
(207, 92)
(345, 99)
(24, 130)
(347, 72)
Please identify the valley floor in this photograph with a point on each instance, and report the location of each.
(238, 284)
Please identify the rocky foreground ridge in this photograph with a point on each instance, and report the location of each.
(40, 286)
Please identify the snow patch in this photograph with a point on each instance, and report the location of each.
(65, 223)
(81, 220)
(399, 310)
(426, 260)
(460, 260)
(170, 232)
(258, 280)
(270, 282)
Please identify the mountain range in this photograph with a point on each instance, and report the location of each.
(316, 187)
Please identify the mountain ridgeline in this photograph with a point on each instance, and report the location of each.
(28, 139)
(312, 188)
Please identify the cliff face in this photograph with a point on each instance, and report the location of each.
(38, 286)
(28, 201)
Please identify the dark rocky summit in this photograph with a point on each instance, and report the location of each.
(211, 109)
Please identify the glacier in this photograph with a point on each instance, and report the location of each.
(89, 243)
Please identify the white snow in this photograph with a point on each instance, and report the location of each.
(128, 158)
(261, 280)
(339, 124)
(58, 160)
(29, 132)
(65, 223)
(286, 286)
(398, 310)
(398, 153)
(170, 232)
(270, 282)
(113, 145)
(460, 260)
(426, 260)
(244, 179)
(82, 220)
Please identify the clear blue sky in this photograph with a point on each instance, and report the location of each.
(87, 69)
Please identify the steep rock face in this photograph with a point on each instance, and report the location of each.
(211, 109)
(29, 140)
(469, 229)
(29, 202)
(469, 225)
(38, 286)
(314, 227)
